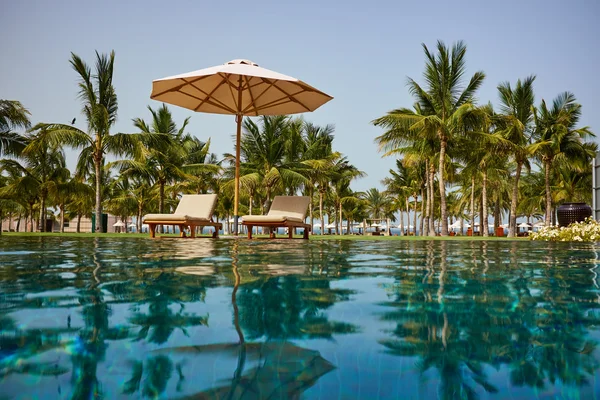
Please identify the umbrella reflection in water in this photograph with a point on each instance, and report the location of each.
(272, 369)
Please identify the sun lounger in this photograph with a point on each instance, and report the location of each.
(285, 211)
(193, 210)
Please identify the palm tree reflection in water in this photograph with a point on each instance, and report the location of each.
(537, 328)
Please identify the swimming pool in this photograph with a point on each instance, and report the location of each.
(171, 318)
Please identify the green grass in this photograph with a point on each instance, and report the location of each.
(313, 237)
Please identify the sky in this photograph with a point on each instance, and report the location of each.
(359, 52)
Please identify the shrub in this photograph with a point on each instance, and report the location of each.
(585, 231)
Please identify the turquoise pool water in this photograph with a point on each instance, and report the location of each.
(112, 318)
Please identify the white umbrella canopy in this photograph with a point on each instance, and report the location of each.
(240, 88)
(455, 225)
(119, 223)
(524, 225)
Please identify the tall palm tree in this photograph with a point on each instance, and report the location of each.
(99, 101)
(556, 130)
(516, 126)
(443, 104)
(319, 156)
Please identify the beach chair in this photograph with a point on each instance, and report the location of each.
(285, 211)
(193, 210)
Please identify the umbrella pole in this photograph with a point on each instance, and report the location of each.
(238, 139)
(236, 197)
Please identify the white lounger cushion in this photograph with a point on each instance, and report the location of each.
(270, 219)
(283, 208)
(191, 207)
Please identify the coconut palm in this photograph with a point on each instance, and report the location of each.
(263, 150)
(556, 130)
(442, 105)
(41, 166)
(516, 126)
(161, 161)
(319, 156)
(99, 101)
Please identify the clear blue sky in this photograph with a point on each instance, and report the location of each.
(359, 52)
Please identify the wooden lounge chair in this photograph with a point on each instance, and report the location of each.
(285, 211)
(192, 211)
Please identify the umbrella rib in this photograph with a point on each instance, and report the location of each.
(252, 100)
(221, 106)
(290, 96)
(208, 95)
(231, 87)
(176, 88)
(287, 98)
(271, 84)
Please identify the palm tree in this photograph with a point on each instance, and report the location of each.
(559, 137)
(442, 105)
(99, 100)
(398, 186)
(319, 156)
(263, 149)
(515, 125)
(162, 161)
(12, 116)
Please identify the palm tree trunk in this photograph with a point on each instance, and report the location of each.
(78, 223)
(425, 231)
(138, 222)
(310, 209)
(98, 169)
(321, 212)
(341, 219)
(43, 213)
(473, 204)
(415, 216)
(402, 218)
(443, 211)
(432, 200)
(161, 201)
(62, 218)
(547, 166)
(512, 222)
(496, 215)
(484, 209)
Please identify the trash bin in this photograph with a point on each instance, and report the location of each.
(500, 231)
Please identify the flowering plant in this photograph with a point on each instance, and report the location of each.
(585, 231)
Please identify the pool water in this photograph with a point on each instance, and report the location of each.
(90, 318)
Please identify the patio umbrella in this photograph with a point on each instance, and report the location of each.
(119, 223)
(240, 88)
(524, 225)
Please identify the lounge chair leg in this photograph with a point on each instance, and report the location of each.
(152, 230)
(290, 233)
(305, 236)
(193, 231)
(181, 231)
(215, 234)
(272, 235)
(250, 232)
